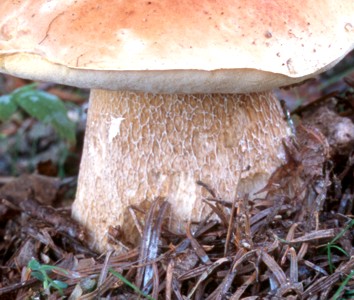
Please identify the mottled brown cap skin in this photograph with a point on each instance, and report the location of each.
(174, 46)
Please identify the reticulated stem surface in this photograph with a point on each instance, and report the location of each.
(142, 146)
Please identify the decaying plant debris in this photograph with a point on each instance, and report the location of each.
(296, 241)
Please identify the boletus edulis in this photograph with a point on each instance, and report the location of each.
(180, 92)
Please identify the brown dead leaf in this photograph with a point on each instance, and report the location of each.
(44, 189)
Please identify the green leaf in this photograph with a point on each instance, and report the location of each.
(59, 285)
(34, 265)
(47, 108)
(39, 272)
(7, 107)
(55, 269)
(38, 275)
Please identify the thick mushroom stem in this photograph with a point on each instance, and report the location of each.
(142, 146)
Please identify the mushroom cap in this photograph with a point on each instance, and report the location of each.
(169, 46)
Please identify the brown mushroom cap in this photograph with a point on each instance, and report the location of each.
(164, 46)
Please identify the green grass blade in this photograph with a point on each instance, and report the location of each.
(131, 285)
(342, 286)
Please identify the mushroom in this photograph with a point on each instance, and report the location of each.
(180, 92)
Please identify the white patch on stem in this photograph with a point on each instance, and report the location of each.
(114, 128)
